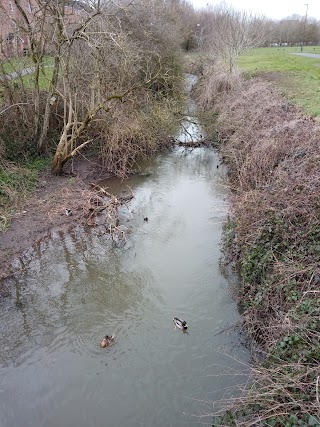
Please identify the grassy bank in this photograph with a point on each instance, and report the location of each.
(273, 236)
(296, 76)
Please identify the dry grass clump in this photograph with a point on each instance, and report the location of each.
(134, 133)
(278, 391)
(259, 122)
(17, 126)
(217, 81)
(15, 184)
(16, 123)
(274, 234)
(2, 153)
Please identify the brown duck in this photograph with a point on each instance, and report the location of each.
(107, 340)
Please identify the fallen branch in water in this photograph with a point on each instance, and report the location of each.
(101, 200)
(194, 144)
(226, 329)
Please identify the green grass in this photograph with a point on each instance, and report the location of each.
(297, 77)
(17, 64)
(44, 79)
(38, 164)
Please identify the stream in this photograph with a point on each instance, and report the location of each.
(76, 289)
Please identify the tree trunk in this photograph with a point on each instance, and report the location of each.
(65, 149)
(57, 164)
(36, 101)
(42, 144)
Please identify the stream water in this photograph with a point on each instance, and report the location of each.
(75, 290)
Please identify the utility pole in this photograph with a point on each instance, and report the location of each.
(304, 27)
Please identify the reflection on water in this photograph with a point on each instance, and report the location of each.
(73, 290)
(190, 129)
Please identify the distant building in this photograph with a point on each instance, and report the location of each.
(14, 40)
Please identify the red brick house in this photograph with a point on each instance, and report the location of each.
(13, 38)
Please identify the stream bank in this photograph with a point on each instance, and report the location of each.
(44, 212)
(74, 286)
(273, 235)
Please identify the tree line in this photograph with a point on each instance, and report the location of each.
(107, 73)
(98, 76)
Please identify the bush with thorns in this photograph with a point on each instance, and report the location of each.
(273, 234)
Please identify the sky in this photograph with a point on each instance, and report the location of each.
(275, 9)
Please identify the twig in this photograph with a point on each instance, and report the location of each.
(226, 329)
(14, 105)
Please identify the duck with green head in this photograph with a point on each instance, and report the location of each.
(181, 324)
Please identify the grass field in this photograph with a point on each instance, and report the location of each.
(44, 78)
(14, 65)
(297, 77)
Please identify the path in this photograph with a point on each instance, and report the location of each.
(309, 55)
(23, 72)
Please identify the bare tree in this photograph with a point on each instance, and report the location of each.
(227, 33)
(294, 30)
(105, 57)
(96, 73)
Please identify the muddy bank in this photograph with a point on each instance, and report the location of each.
(45, 211)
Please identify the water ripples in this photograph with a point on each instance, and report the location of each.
(73, 290)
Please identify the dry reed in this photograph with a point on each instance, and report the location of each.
(273, 153)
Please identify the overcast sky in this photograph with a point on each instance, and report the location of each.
(275, 9)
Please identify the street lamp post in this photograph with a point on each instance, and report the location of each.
(304, 27)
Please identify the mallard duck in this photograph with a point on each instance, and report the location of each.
(181, 324)
(107, 340)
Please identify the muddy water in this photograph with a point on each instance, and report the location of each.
(74, 290)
